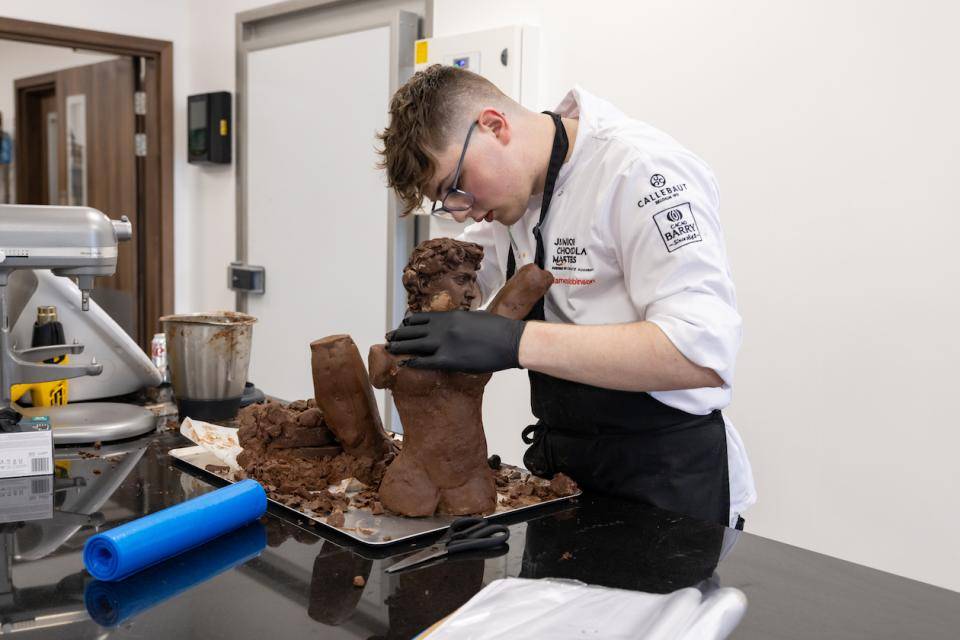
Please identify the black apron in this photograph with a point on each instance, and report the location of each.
(622, 443)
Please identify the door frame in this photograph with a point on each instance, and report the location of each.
(155, 237)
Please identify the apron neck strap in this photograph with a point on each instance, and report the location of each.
(558, 154)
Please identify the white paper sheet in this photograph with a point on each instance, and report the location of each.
(220, 441)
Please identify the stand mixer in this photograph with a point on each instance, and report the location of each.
(77, 242)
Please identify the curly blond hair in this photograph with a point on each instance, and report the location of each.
(433, 259)
(431, 110)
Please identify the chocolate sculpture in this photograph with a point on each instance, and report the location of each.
(443, 464)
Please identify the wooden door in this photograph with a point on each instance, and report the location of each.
(97, 167)
(37, 169)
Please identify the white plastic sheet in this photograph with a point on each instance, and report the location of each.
(518, 609)
(220, 441)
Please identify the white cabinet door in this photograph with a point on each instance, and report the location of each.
(317, 206)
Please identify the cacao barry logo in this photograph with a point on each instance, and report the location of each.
(674, 216)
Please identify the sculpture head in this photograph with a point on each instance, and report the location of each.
(443, 267)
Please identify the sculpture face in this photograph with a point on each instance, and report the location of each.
(460, 285)
(442, 275)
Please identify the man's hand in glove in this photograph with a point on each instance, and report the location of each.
(471, 341)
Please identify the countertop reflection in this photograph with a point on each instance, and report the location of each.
(283, 579)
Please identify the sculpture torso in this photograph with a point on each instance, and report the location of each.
(442, 466)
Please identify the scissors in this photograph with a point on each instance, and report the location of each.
(465, 534)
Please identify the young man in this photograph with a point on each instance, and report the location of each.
(631, 353)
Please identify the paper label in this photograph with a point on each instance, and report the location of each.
(26, 454)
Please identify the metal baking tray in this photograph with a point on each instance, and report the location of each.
(359, 524)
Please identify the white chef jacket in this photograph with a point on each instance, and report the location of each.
(633, 233)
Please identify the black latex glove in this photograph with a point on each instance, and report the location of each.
(471, 341)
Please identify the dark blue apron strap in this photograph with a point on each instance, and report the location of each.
(561, 144)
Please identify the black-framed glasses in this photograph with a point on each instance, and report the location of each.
(455, 200)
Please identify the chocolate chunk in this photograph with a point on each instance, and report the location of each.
(311, 417)
(336, 519)
(563, 485)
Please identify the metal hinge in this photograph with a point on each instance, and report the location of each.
(140, 144)
(140, 103)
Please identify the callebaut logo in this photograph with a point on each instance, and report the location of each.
(662, 191)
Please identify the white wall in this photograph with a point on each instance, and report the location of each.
(207, 239)
(203, 37)
(832, 129)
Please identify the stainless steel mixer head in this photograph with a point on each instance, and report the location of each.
(72, 241)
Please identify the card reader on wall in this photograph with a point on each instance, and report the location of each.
(246, 278)
(208, 128)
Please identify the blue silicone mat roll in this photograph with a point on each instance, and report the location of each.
(110, 603)
(131, 547)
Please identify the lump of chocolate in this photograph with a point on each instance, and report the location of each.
(563, 485)
(272, 426)
(302, 483)
(517, 490)
(292, 453)
(343, 393)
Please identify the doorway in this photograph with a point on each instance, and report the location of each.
(97, 131)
